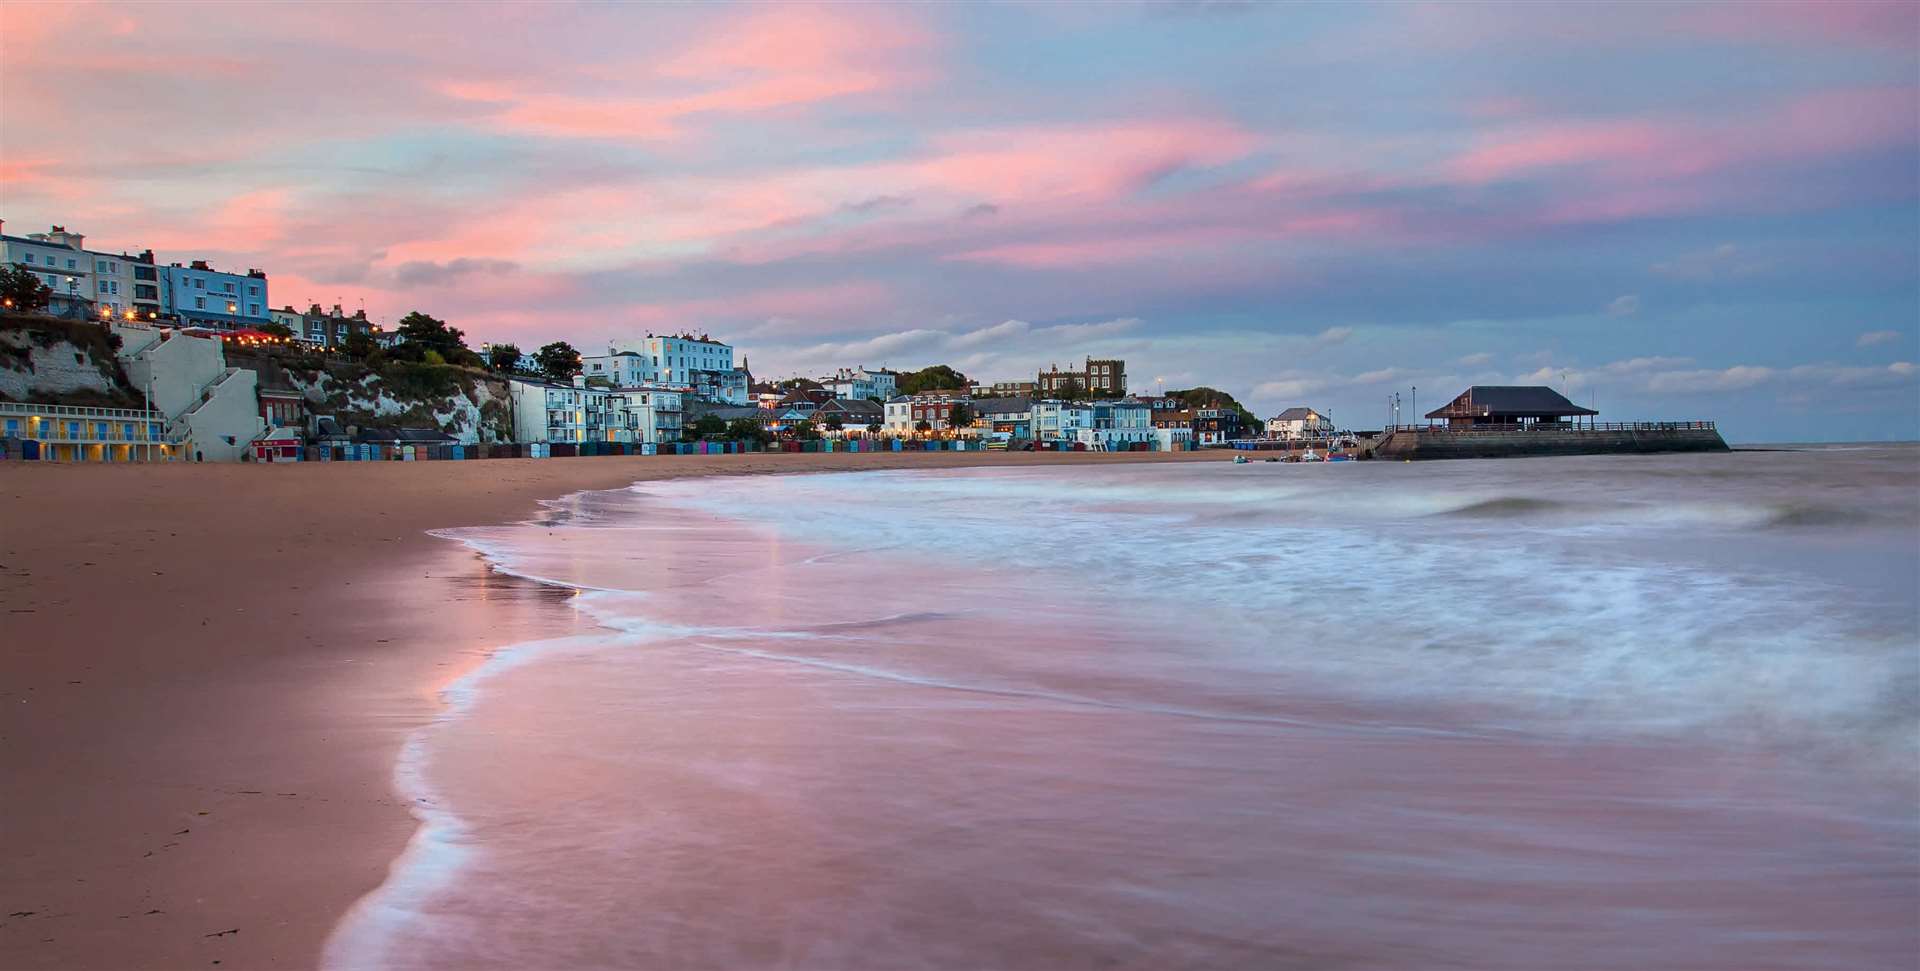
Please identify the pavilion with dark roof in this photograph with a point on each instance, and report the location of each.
(1509, 404)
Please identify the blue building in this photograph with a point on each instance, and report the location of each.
(201, 296)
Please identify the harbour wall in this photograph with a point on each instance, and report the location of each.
(1450, 444)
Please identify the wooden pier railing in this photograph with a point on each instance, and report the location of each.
(1598, 426)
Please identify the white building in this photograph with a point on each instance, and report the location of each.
(898, 412)
(557, 413)
(623, 369)
(1119, 425)
(650, 415)
(1012, 417)
(212, 410)
(701, 364)
(1060, 421)
(861, 383)
(578, 413)
(58, 259)
(1297, 424)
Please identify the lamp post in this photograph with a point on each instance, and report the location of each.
(1416, 401)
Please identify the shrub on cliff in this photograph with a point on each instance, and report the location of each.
(21, 291)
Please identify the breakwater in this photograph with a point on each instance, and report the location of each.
(1482, 442)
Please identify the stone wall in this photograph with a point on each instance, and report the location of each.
(1511, 444)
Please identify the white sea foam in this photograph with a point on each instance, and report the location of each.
(1135, 711)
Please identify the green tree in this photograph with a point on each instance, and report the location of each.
(747, 430)
(706, 426)
(960, 416)
(798, 384)
(277, 330)
(559, 361)
(835, 423)
(923, 426)
(503, 358)
(804, 431)
(432, 334)
(939, 377)
(873, 428)
(1070, 390)
(1205, 397)
(22, 291)
(359, 345)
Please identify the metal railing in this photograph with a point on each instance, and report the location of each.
(52, 424)
(1598, 426)
(78, 411)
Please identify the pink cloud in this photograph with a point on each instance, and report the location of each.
(1098, 161)
(1868, 23)
(1559, 144)
(1825, 123)
(796, 40)
(772, 58)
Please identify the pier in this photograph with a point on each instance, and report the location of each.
(1413, 442)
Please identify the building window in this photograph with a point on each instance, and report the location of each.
(199, 303)
(71, 264)
(28, 257)
(100, 266)
(199, 283)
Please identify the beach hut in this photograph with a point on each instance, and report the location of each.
(277, 445)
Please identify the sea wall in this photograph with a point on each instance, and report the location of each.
(1516, 444)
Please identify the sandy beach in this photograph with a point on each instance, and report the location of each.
(209, 670)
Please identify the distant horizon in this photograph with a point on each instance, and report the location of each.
(1701, 210)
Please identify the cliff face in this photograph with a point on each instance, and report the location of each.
(471, 406)
(63, 362)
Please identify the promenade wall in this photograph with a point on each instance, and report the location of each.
(1450, 444)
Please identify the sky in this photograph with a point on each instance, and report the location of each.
(1665, 210)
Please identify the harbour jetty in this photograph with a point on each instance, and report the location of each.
(1511, 421)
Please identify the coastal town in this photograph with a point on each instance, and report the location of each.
(110, 356)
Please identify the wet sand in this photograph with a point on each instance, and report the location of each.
(208, 671)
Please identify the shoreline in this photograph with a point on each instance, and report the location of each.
(202, 706)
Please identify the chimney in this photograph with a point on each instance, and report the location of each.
(201, 265)
(336, 311)
(146, 256)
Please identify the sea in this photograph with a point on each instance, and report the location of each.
(1601, 712)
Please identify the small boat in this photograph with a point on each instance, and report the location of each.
(1239, 460)
(1310, 456)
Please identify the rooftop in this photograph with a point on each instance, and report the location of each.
(1496, 400)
